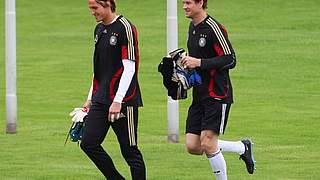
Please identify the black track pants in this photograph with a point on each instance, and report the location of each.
(96, 129)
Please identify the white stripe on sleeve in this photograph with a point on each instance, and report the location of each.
(222, 40)
(125, 80)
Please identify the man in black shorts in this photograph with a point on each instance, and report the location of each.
(115, 95)
(212, 56)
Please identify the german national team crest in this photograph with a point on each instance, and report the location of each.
(202, 42)
(113, 40)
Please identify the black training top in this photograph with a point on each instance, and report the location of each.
(208, 41)
(113, 43)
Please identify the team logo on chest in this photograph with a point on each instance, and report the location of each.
(202, 40)
(113, 39)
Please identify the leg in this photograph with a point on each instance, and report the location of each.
(202, 128)
(231, 146)
(126, 131)
(95, 130)
(193, 129)
(244, 147)
(213, 124)
(209, 144)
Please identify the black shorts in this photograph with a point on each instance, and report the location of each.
(207, 115)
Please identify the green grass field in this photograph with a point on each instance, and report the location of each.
(276, 86)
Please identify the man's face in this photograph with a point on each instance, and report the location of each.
(97, 10)
(191, 8)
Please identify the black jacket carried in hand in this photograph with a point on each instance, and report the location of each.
(175, 90)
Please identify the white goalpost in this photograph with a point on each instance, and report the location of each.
(11, 74)
(172, 44)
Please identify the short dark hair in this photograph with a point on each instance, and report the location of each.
(204, 6)
(104, 4)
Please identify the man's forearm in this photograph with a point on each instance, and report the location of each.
(125, 80)
(219, 62)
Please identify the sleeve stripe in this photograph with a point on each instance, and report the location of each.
(220, 36)
(131, 51)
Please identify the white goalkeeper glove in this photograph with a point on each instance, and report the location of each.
(78, 114)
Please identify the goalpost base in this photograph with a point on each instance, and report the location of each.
(11, 128)
(173, 138)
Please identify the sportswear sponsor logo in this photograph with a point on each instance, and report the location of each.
(96, 39)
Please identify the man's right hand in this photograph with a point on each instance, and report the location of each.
(190, 62)
(78, 114)
(87, 104)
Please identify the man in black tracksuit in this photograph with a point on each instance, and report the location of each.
(115, 94)
(212, 56)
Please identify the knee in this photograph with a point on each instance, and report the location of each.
(83, 146)
(86, 147)
(208, 145)
(133, 157)
(194, 148)
(131, 154)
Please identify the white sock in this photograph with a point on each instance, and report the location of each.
(218, 165)
(231, 146)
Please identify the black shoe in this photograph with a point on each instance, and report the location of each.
(247, 156)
